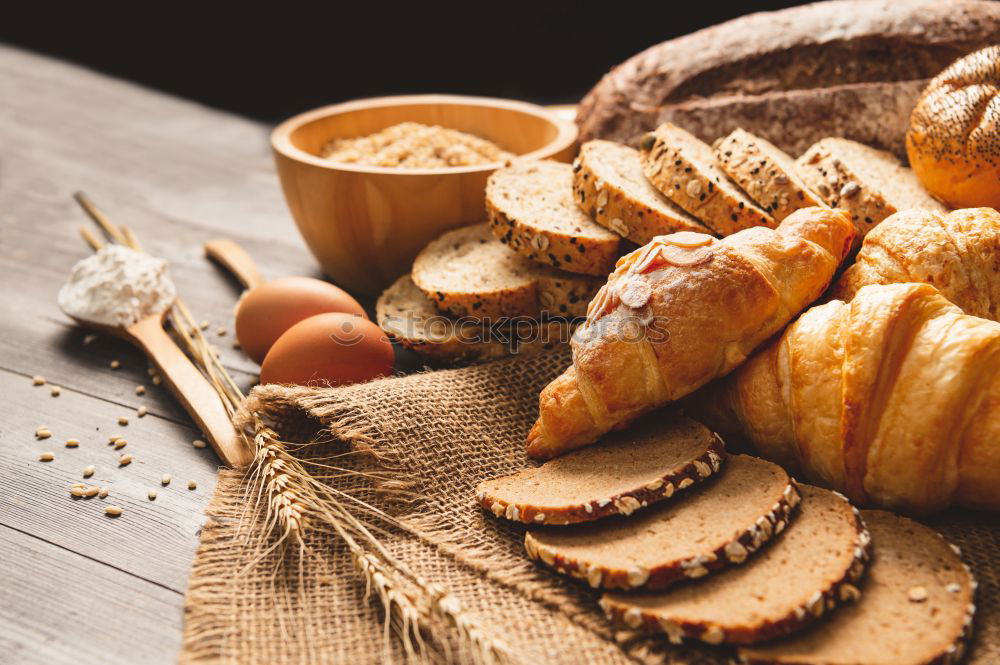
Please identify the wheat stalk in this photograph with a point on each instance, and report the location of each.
(292, 498)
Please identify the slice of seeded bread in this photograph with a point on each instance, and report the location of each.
(803, 574)
(409, 318)
(716, 524)
(468, 272)
(916, 606)
(870, 184)
(610, 187)
(650, 460)
(766, 173)
(530, 209)
(684, 169)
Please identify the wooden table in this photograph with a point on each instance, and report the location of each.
(79, 586)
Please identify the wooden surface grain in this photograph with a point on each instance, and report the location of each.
(80, 586)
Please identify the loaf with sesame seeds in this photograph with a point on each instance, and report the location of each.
(870, 184)
(683, 168)
(714, 525)
(609, 185)
(766, 173)
(651, 461)
(469, 272)
(799, 577)
(916, 607)
(530, 208)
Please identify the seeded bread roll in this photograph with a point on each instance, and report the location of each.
(915, 607)
(628, 470)
(409, 318)
(714, 525)
(805, 572)
(468, 272)
(765, 173)
(954, 137)
(870, 184)
(530, 209)
(683, 168)
(610, 187)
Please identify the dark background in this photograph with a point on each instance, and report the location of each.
(269, 62)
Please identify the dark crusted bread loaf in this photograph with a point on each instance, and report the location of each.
(406, 314)
(609, 185)
(792, 582)
(915, 607)
(469, 272)
(815, 46)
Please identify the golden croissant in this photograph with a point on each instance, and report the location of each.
(680, 311)
(957, 252)
(893, 399)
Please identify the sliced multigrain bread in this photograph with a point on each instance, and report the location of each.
(610, 186)
(530, 209)
(409, 318)
(766, 173)
(915, 606)
(714, 525)
(806, 571)
(626, 471)
(683, 168)
(870, 184)
(468, 272)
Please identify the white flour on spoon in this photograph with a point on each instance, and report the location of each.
(117, 286)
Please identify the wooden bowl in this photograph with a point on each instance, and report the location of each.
(366, 224)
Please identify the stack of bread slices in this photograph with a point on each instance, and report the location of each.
(678, 538)
(517, 283)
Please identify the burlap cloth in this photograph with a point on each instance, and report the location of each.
(446, 430)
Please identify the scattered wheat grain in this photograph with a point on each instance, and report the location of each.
(115, 364)
(192, 485)
(103, 493)
(156, 379)
(56, 391)
(165, 480)
(124, 460)
(120, 443)
(198, 443)
(140, 390)
(141, 411)
(204, 325)
(151, 494)
(42, 432)
(77, 491)
(46, 457)
(72, 443)
(220, 331)
(38, 380)
(89, 471)
(123, 421)
(113, 511)
(92, 491)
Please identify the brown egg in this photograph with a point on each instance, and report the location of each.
(267, 311)
(328, 348)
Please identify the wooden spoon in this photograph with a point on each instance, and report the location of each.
(188, 385)
(235, 259)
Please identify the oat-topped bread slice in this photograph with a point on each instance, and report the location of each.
(627, 470)
(409, 318)
(871, 184)
(711, 526)
(805, 572)
(610, 186)
(468, 272)
(684, 169)
(530, 208)
(766, 173)
(915, 606)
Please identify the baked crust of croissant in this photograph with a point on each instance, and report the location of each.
(680, 311)
(893, 399)
(957, 252)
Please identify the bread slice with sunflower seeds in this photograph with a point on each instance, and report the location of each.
(469, 272)
(609, 185)
(531, 210)
(766, 173)
(683, 168)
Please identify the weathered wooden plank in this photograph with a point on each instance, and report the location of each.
(60, 607)
(154, 540)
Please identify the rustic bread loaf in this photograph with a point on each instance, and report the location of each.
(609, 185)
(953, 141)
(876, 114)
(531, 209)
(630, 469)
(684, 169)
(765, 173)
(812, 47)
(806, 571)
(714, 525)
(870, 184)
(468, 272)
(915, 606)
(409, 318)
